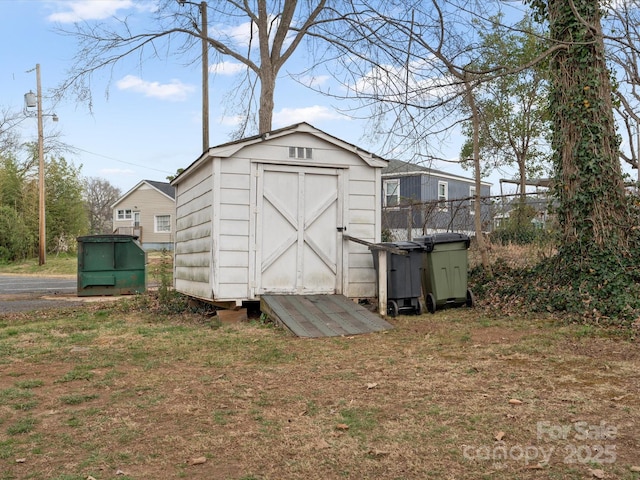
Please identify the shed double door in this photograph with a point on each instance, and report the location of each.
(298, 244)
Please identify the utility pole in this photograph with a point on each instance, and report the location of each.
(31, 101)
(204, 35)
(205, 78)
(42, 249)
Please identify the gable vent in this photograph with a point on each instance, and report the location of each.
(300, 152)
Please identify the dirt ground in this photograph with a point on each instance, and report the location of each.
(455, 395)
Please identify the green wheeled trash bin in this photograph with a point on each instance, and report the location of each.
(111, 265)
(403, 276)
(444, 270)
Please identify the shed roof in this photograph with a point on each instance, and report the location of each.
(231, 148)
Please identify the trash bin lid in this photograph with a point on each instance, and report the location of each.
(428, 242)
(402, 245)
(106, 238)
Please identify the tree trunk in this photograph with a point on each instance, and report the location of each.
(267, 90)
(475, 120)
(588, 181)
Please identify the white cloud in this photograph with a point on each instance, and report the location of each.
(230, 121)
(117, 171)
(314, 81)
(227, 68)
(242, 34)
(288, 116)
(422, 82)
(79, 10)
(173, 91)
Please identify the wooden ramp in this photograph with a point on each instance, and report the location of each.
(321, 315)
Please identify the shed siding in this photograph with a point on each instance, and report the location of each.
(233, 228)
(192, 257)
(364, 223)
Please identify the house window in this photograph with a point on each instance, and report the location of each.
(125, 214)
(391, 192)
(162, 223)
(472, 200)
(443, 195)
(301, 152)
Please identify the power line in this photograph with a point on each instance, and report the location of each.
(121, 161)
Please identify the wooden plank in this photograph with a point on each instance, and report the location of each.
(278, 309)
(321, 315)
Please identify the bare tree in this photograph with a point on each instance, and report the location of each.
(9, 138)
(514, 120)
(623, 51)
(414, 65)
(271, 33)
(99, 195)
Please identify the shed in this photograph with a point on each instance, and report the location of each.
(269, 214)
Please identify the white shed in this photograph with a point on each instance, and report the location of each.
(268, 214)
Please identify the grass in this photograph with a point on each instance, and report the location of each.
(66, 265)
(148, 394)
(63, 264)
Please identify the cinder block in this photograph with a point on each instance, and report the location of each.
(232, 316)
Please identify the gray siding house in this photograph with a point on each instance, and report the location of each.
(418, 200)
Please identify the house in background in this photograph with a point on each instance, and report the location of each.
(539, 200)
(147, 211)
(417, 200)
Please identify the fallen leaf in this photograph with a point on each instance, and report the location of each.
(322, 444)
(198, 461)
(377, 453)
(120, 472)
(371, 385)
(597, 473)
(635, 469)
(515, 401)
(617, 399)
(90, 478)
(499, 436)
(21, 460)
(536, 466)
(342, 426)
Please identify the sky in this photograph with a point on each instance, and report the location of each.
(145, 122)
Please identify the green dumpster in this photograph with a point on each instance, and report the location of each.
(444, 270)
(111, 265)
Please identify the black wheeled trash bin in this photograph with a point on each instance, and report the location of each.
(403, 276)
(111, 265)
(444, 270)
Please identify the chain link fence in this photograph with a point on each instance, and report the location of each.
(411, 219)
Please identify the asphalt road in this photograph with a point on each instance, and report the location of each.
(33, 285)
(23, 293)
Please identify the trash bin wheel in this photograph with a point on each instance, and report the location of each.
(431, 303)
(471, 299)
(418, 309)
(392, 308)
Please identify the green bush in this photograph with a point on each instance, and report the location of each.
(520, 228)
(16, 242)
